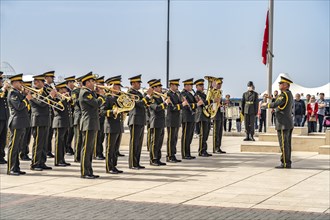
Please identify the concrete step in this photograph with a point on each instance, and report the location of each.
(260, 146)
(296, 130)
(325, 149)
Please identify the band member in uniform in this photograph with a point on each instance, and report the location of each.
(69, 135)
(24, 151)
(4, 115)
(188, 118)
(89, 123)
(136, 122)
(18, 122)
(112, 126)
(218, 121)
(49, 85)
(202, 119)
(148, 117)
(284, 121)
(40, 123)
(173, 119)
(76, 120)
(98, 150)
(61, 124)
(250, 110)
(157, 123)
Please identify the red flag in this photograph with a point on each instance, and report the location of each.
(265, 42)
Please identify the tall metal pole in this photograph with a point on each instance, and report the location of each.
(270, 55)
(168, 45)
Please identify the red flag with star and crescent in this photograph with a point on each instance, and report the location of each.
(265, 42)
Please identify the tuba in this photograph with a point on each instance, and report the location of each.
(212, 93)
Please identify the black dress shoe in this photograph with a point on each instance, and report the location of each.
(161, 163)
(69, 151)
(100, 157)
(222, 152)
(204, 155)
(120, 155)
(22, 172)
(170, 160)
(60, 165)
(2, 160)
(113, 171)
(25, 158)
(96, 176)
(135, 168)
(192, 157)
(178, 161)
(36, 168)
(154, 163)
(283, 167)
(186, 158)
(246, 139)
(88, 177)
(210, 155)
(68, 164)
(141, 167)
(119, 171)
(50, 155)
(45, 167)
(252, 138)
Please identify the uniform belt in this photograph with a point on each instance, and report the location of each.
(249, 103)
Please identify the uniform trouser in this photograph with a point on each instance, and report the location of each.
(60, 143)
(249, 123)
(186, 138)
(230, 122)
(217, 134)
(157, 137)
(89, 137)
(68, 139)
(24, 151)
(77, 143)
(320, 119)
(3, 137)
(172, 139)
(203, 136)
(16, 141)
(284, 138)
(135, 145)
(99, 143)
(50, 136)
(112, 148)
(40, 135)
(148, 137)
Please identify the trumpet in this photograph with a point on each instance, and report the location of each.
(37, 94)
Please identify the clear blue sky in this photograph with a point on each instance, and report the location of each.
(220, 38)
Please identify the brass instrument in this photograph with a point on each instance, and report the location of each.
(63, 96)
(212, 93)
(37, 94)
(112, 91)
(163, 95)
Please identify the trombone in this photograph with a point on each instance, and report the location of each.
(37, 94)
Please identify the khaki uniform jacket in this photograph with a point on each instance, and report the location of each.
(89, 105)
(137, 116)
(19, 110)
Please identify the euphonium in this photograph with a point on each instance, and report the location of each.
(212, 93)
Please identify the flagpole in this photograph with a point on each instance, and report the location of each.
(168, 45)
(270, 56)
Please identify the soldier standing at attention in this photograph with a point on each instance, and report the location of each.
(157, 124)
(218, 122)
(250, 110)
(98, 150)
(49, 85)
(89, 124)
(148, 117)
(202, 119)
(40, 123)
(284, 122)
(4, 115)
(112, 126)
(69, 135)
(76, 121)
(188, 118)
(173, 119)
(18, 122)
(61, 124)
(136, 122)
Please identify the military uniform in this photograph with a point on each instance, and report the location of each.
(70, 133)
(18, 122)
(157, 124)
(89, 125)
(147, 118)
(4, 115)
(218, 127)
(76, 124)
(98, 153)
(250, 111)
(188, 121)
(203, 120)
(284, 123)
(136, 123)
(173, 121)
(40, 123)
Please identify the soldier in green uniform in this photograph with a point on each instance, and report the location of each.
(148, 117)
(157, 123)
(69, 81)
(18, 122)
(4, 115)
(76, 121)
(250, 110)
(218, 121)
(89, 124)
(112, 126)
(24, 150)
(98, 150)
(173, 120)
(136, 122)
(40, 123)
(202, 119)
(61, 124)
(188, 118)
(284, 121)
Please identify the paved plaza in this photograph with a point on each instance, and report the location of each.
(234, 185)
